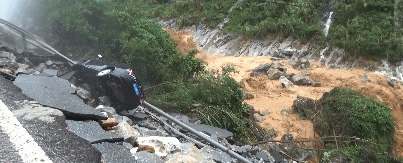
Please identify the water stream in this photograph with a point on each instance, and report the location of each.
(328, 23)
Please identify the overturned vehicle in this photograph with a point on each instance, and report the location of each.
(104, 82)
(111, 80)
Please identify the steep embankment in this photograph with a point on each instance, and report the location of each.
(271, 95)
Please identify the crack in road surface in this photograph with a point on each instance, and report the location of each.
(23, 142)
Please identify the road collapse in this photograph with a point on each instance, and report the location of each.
(102, 104)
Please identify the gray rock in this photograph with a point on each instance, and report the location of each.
(140, 115)
(5, 62)
(286, 111)
(56, 93)
(162, 145)
(132, 140)
(221, 133)
(190, 154)
(264, 112)
(365, 79)
(84, 94)
(301, 79)
(218, 156)
(279, 66)
(247, 96)
(40, 67)
(257, 117)
(110, 110)
(286, 83)
(92, 132)
(299, 63)
(304, 107)
(114, 152)
(394, 82)
(261, 69)
(289, 51)
(8, 55)
(274, 74)
(48, 72)
(265, 156)
(48, 63)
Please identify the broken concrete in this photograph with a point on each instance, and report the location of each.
(56, 93)
(92, 132)
(114, 152)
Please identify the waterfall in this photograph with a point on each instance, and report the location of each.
(328, 23)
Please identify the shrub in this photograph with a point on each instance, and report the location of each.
(347, 112)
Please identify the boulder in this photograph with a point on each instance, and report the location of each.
(298, 63)
(365, 79)
(247, 96)
(261, 69)
(304, 107)
(274, 74)
(393, 82)
(264, 112)
(289, 51)
(257, 117)
(286, 83)
(302, 79)
(276, 71)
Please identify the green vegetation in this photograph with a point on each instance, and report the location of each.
(367, 27)
(344, 112)
(363, 27)
(121, 30)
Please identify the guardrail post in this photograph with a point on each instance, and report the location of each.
(24, 41)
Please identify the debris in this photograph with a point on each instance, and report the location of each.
(145, 148)
(162, 145)
(365, 79)
(286, 83)
(247, 96)
(56, 93)
(261, 69)
(257, 117)
(109, 123)
(92, 132)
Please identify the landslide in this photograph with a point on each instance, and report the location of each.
(271, 95)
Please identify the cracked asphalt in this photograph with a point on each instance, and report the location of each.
(48, 131)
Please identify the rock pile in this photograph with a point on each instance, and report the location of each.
(276, 70)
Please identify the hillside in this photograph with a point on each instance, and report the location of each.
(271, 95)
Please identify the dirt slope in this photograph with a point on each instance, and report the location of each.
(269, 93)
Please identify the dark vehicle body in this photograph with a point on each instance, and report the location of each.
(114, 80)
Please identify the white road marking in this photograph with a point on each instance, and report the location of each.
(26, 146)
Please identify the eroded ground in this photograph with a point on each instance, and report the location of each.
(271, 95)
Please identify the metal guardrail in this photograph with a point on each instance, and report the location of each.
(197, 133)
(35, 41)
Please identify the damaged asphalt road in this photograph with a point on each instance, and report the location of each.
(57, 93)
(59, 144)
